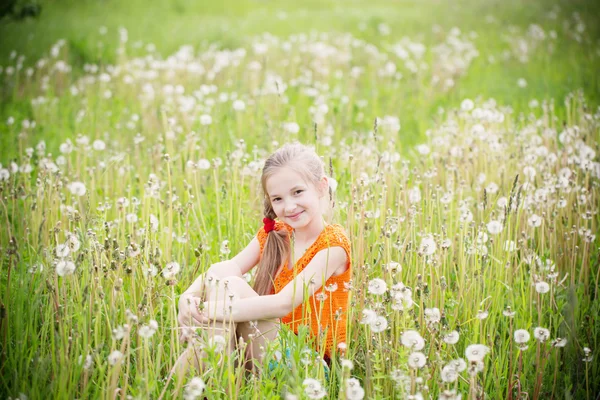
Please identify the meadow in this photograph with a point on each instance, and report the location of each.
(463, 139)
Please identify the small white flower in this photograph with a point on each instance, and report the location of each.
(64, 268)
(131, 218)
(541, 334)
(368, 316)
(467, 105)
(449, 374)
(379, 324)
(534, 221)
(239, 105)
(203, 164)
(194, 389)
(414, 195)
(377, 286)
(115, 357)
(452, 337)
(417, 360)
(353, 389)
(171, 270)
(542, 287)
(62, 250)
(521, 82)
(428, 246)
(521, 336)
(77, 188)
(205, 119)
(433, 315)
(476, 352)
(482, 315)
(98, 145)
(347, 364)
(291, 127)
(153, 223)
(559, 342)
(494, 227)
(413, 340)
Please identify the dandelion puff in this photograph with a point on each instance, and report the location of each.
(194, 388)
(171, 270)
(413, 340)
(588, 356)
(377, 286)
(542, 287)
(534, 221)
(414, 195)
(368, 316)
(98, 145)
(521, 338)
(379, 324)
(347, 364)
(449, 374)
(153, 223)
(239, 105)
(203, 164)
(428, 246)
(541, 334)
(77, 188)
(313, 389)
(218, 343)
(476, 352)
(62, 250)
(64, 268)
(354, 391)
(458, 364)
(452, 337)
(131, 218)
(559, 342)
(115, 357)
(433, 315)
(482, 315)
(494, 227)
(417, 360)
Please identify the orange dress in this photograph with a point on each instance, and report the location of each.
(326, 311)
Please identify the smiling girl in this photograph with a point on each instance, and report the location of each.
(303, 268)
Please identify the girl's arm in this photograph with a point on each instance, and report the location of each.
(243, 262)
(306, 283)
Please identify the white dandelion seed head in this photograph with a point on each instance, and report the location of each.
(377, 286)
(413, 340)
(476, 352)
(417, 360)
(77, 188)
(449, 374)
(521, 336)
(368, 316)
(541, 334)
(171, 270)
(494, 227)
(379, 324)
(428, 245)
(64, 268)
(542, 287)
(451, 337)
(115, 357)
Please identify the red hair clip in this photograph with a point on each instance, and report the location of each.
(269, 224)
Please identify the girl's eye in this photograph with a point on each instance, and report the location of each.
(299, 191)
(276, 199)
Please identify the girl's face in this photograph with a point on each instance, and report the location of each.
(295, 201)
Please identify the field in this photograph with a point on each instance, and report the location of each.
(463, 137)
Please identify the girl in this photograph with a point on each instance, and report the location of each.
(303, 263)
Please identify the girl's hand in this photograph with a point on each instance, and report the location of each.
(189, 316)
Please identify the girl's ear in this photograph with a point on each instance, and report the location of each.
(323, 185)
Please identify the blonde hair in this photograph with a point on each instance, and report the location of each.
(303, 160)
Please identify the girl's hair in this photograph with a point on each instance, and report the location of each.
(303, 160)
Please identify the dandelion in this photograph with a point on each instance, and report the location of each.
(559, 342)
(508, 312)
(217, 343)
(171, 270)
(291, 127)
(379, 324)
(521, 338)
(458, 364)
(542, 287)
(482, 315)
(377, 286)
(368, 316)
(146, 331)
(115, 357)
(62, 250)
(417, 360)
(239, 105)
(494, 227)
(225, 250)
(534, 221)
(452, 337)
(313, 389)
(194, 389)
(414, 195)
(433, 315)
(449, 374)
(205, 119)
(98, 145)
(522, 83)
(64, 268)
(77, 188)
(467, 105)
(153, 223)
(588, 356)
(428, 246)
(541, 334)
(331, 287)
(353, 389)
(413, 340)
(347, 364)
(203, 164)
(476, 352)
(131, 218)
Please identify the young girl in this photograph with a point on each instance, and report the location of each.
(303, 274)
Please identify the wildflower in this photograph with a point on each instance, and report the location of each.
(171, 270)
(521, 338)
(508, 312)
(239, 105)
(205, 119)
(494, 227)
(476, 352)
(217, 343)
(87, 362)
(588, 356)
(98, 145)
(542, 287)
(153, 223)
(379, 324)
(353, 389)
(521, 82)
(541, 334)
(146, 331)
(433, 315)
(413, 340)
(321, 296)
(131, 218)
(62, 250)
(347, 364)
(452, 337)
(64, 268)
(534, 221)
(467, 105)
(368, 316)
(194, 389)
(416, 360)
(313, 389)
(428, 246)
(559, 342)
(225, 250)
(458, 364)
(377, 286)
(119, 332)
(332, 287)
(414, 195)
(449, 374)
(203, 163)
(115, 357)
(77, 188)
(291, 127)
(482, 315)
